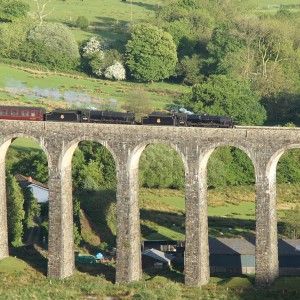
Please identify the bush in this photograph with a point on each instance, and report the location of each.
(53, 44)
(116, 71)
(82, 22)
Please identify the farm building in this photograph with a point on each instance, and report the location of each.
(156, 259)
(235, 255)
(232, 255)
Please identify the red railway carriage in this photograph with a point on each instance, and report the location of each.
(22, 113)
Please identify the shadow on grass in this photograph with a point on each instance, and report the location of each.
(175, 275)
(31, 256)
(100, 269)
(141, 4)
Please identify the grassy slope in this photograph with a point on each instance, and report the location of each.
(25, 87)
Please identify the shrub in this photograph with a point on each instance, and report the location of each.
(116, 71)
(82, 22)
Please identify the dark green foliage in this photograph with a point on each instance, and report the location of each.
(93, 167)
(150, 53)
(82, 22)
(282, 109)
(31, 208)
(38, 52)
(76, 220)
(15, 211)
(32, 164)
(221, 43)
(220, 95)
(229, 166)
(189, 69)
(12, 9)
(288, 168)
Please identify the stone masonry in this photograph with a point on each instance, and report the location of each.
(264, 146)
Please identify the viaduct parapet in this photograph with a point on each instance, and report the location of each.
(263, 145)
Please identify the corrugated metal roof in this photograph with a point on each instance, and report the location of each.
(232, 246)
(158, 255)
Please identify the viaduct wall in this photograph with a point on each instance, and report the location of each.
(263, 145)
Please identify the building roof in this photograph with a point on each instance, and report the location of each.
(28, 181)
(232, 246)
(158, 255)
(288, 247)
(247, 246)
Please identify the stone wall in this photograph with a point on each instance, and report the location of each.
(263, 145)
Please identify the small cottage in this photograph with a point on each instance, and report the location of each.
(39, 190)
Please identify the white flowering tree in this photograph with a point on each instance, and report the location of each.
(115, 71)
(93, 46)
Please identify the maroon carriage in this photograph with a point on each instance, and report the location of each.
(22, 113)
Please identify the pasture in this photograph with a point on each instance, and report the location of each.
(58, 90)
(109, 19)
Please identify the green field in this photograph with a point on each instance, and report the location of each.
(53, 90)
(109, 18)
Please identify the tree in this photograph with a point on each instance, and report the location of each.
(115, 71)
(150, 53)
(93, 167)
(41, 9)
(161, 167)
(54, 45)
(31, 207)
(11, 10)
(15, 211)
(32, 164)
(82, 22)
(13, 37)
(220, 95)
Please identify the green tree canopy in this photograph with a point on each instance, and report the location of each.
(220, 95)
(13, 37)
(54, 44)
(12, 9)
(161, 167)
(150, 53)
(15, 211)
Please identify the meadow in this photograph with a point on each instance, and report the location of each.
(20, 86)
(109, 18)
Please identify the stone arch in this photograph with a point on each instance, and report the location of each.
(206, 155)
(8, 140)
(61, 210)
(66, 156)
(272, 163)
(3, 206)
(133, 169)
(213, 147)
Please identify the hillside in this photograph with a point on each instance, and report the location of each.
(24, 86)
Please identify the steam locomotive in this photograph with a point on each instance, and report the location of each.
(112, 117)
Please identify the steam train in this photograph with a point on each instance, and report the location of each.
(112, 117)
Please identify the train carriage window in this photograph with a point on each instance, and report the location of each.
(14, 113)
(25, 113)
(32, 114)
(3, 112)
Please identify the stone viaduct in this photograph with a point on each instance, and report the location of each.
(264, 146)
